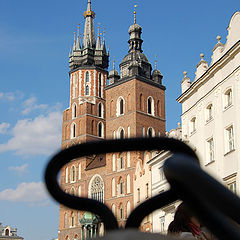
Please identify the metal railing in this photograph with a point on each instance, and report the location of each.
(213, 204)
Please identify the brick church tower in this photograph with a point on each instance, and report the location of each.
(132, 104)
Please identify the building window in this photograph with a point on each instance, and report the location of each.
(150, 105)
(100, 110)
(73, 191)
(121, 134)
(229, 139)
(193, 125)
(100, 86)
(162, 222)
(72, 220)
(87, 90)
(150, 132)
(120, 106)
(121, 163)
(210, 148)
(73, 174)
(232, 187)
(87, 77)
(209, 112)
(100, 129)
(121, 187)
(97, 189)
(147, 190)
(138, 195)
(73, 130)
(228, 98)
(74, 110)
(121, 213)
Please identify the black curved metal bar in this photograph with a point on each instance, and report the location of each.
(100, 147)
(147, 207)
(212, 203)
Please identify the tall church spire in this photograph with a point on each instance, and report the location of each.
(89, 34)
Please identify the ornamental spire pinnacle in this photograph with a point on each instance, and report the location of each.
(89, 34)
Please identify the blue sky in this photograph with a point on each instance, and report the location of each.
(35, 37)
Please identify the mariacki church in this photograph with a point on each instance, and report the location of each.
(109, 105)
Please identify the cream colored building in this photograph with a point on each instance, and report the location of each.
(211, 109)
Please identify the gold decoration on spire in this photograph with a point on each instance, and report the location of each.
(135, 13)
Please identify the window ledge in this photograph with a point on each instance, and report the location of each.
(229, 152)
(209, 120)
(193, 132)
(209, 163)
(227, 107)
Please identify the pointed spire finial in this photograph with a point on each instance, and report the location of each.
(185, 74)
(135, 13)
(202, 56)
(98, 27)
(113, 64)
(74, 34)
(156, 62)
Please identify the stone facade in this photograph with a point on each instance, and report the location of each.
(109, 106)
(210, 109)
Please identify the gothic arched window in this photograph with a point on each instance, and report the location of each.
(74, 110)
(100, 110)
(151, 132)
(73, 174)
(87, 90)
(100, 129)
(150, 105)
(97, 189)
(87, 77)
(73, 130)
(121, 103)
(121, 134)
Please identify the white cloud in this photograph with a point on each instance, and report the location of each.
(3, 127)
(19, 169)
(33, 192)
(30, 105)
(39, 136)
(9, 96)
